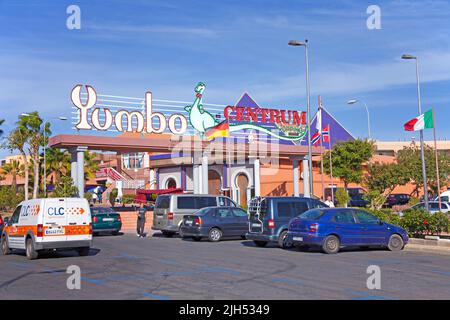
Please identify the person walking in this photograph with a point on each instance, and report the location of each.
(329, 202)
(141, 220)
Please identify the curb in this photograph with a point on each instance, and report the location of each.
(428, 248)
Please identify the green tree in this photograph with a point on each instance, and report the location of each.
(65, 188)
(14, 168)
(112, 196)
(342, 197)
(347, 159)
(90, 165)
(382, 177)
(57, 162)
(409, 160)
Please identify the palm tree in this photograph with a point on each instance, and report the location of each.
(14, 168)
(17, 140)
(58, 163)
(90, 165)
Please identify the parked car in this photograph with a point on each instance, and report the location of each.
(357, 200)
(269, 217)
(105, 219)
(445, 196)
(433, 207)
(170, 209)
(395, 199)
(49, 224)
(2, 224)
(333, 228)
(215, 223)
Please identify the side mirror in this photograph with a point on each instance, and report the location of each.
(380, 222)
(6, 221)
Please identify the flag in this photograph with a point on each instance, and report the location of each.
(319, 117)
(220, 130)
(424, 121)
(326, 134)
(315, 139)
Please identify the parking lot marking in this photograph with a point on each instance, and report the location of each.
(155, 296)
(361, 295)
(94, 281)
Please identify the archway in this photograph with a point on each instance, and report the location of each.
(171, 183)
(242, 187)
(214, 182)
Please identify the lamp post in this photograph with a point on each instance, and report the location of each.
(296, 43)
(353, 101)
(422, 152)
(45, 143)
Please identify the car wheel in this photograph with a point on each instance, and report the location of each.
(197, 238)
(395, 243)
(5, 248)
(243, 237)
(282, 241)
(83, 251)
(30, 251)
(331, 245)
(260, 243)
(168, 234)
(215, 235)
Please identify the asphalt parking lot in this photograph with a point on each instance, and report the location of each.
(126, 267)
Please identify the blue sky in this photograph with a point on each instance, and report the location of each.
(129, 47)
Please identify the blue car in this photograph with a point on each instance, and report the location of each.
(333, 228)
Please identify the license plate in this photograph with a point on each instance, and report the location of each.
(108, 219)
(297, 238)
(256, 225)
(188, 222)
(52, 232)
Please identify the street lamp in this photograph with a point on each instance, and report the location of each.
(45, 138)
(296, 43)
(353, 101)
(422, 152)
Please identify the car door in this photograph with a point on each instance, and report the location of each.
(15, 237)
(225, 220)
(346, 227)
(241, 221)
(374, 232)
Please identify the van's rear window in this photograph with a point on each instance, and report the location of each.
(313, 214)
(162, 202)
(195, 202)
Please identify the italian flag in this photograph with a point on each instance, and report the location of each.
(424, 121)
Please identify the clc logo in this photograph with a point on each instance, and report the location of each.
(54, 211)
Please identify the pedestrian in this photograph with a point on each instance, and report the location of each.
(141, 220)
(329, 202)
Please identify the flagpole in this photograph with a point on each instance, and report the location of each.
(331, 164)
(437, 160)
(321, 151)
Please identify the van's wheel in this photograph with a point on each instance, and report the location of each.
(331, 244)
(83, 252)
(395, 243)
(5, 248)
(283, 243)
(260, 243)
(30, 251)
(168, 234)
(215, 235)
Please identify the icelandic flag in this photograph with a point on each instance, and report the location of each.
(326, 134)
(315, 139)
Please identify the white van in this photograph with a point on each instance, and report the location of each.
(47, 224)
(445, 196)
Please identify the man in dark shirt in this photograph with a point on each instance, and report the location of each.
(141, 221)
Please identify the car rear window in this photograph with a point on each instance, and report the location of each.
(101, 210)
(162, 202)
(314, 214)
(195, 202)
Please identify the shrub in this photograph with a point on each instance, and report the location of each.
(65, 188)
(128, 198)
(416, 222)
(387, 215)
(413, 201)
(342, 197)
(375, 198)
(439, 222)
(112, 196)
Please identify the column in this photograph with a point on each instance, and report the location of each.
(196, 178)
(152, 179)
(73, 166)
(257, 176)
(295, 177)
(306, 187)
(80, 171)
(205, 173)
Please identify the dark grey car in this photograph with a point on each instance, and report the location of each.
(215, 223)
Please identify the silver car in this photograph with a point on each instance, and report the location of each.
(170, 209)
(433, 207)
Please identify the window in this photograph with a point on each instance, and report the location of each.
(226, 202)
(312, 214)
(300, 207)
(434, 206)
(285, 209)
(317, 204)
(366, 218)
(16, 214)
(132, 161)
(195, 202)
(344, 217)
(223, 213)
(162, 202)
(238, 212)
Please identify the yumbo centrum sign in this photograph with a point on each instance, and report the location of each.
(289, 124)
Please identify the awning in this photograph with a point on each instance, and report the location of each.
(159, 191)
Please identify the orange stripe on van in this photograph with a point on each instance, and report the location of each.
(68, 230)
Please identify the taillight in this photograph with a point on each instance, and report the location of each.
(40, 230)
(314, 227)
(90, 228)
(271, 224)
(170, 216)
(198, 221)
(95, 219)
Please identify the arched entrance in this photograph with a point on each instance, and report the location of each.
(214, 182)
(171, 183)
(242, 189)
